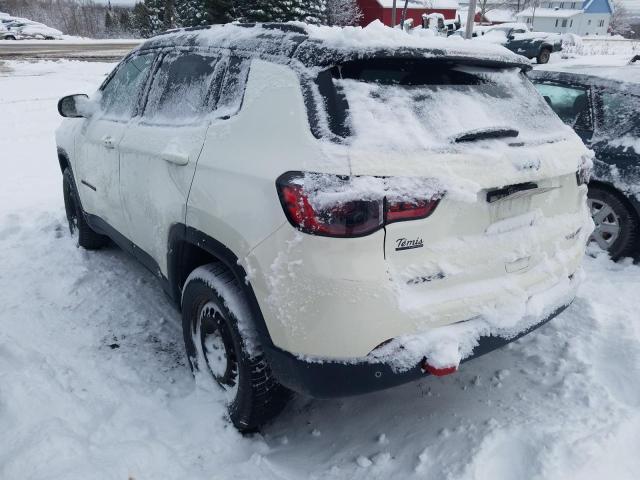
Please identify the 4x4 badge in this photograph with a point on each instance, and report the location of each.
(405, 244)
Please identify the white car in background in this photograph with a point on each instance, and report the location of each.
(14, 28)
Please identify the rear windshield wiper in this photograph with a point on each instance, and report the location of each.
(485, 133)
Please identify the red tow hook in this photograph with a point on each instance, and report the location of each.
(438, 372)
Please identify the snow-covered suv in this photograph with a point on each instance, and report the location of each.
(335, 211)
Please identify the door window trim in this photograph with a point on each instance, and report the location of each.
(222, 58)
(588, 90)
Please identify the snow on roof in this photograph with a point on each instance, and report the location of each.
(502, 15)
(518, 25)
(377, 36)
(550, 12)
(423, 4)
(310, 42)
(610, 67)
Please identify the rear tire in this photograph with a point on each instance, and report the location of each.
(544, 56)
(87, 237)
(217, 346)
(617, 228)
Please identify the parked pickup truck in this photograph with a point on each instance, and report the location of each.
(517, 38)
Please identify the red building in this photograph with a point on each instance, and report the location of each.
(381, 10)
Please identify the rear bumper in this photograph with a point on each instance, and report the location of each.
(329, 379)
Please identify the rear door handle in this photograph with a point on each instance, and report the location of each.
(176, 158)
(108, 142)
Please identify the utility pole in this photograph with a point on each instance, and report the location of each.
(393, 15)
(471, 14)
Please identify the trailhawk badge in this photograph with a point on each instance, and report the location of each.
(405, 244)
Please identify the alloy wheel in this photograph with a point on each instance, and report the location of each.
(607, 223)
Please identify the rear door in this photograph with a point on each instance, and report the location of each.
(617, 138)
(160, 150)
(98, 167)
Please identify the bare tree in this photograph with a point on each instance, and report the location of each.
(619, 23)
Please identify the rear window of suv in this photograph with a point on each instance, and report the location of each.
(418, 104)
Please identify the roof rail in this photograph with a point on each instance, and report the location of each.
(285, 27)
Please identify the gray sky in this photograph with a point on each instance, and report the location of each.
(632, 5)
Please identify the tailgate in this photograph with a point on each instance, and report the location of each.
(447, 266)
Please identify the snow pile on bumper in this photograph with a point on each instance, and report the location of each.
(449, 345)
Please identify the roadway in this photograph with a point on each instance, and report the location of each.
(102, 50)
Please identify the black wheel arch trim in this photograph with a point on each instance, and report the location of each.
(179, 235)
(63, 160)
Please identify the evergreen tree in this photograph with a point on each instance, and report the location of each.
(220, 11)
(109, 23)
(162, 15)
(125, 20)
(141, 20)
(310, 11)
(192, 13)
(169, 17)
(314, 12)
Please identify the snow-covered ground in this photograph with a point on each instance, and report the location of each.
(93, 382)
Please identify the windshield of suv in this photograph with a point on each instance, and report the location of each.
(416, 104)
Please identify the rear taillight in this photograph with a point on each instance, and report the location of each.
(348, 219)
(327, 205)
(413, 210)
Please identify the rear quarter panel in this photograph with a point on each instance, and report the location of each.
(233, 197)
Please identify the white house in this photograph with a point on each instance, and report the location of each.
(588, 17)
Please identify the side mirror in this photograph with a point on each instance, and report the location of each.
(511, 36)
(69, 106)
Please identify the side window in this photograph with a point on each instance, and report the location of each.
(571, 104)
(232, 92)
(618, 108)
(184, 88)
(619, 111)
(120, 95)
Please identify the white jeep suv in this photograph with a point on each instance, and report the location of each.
(335, 211)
